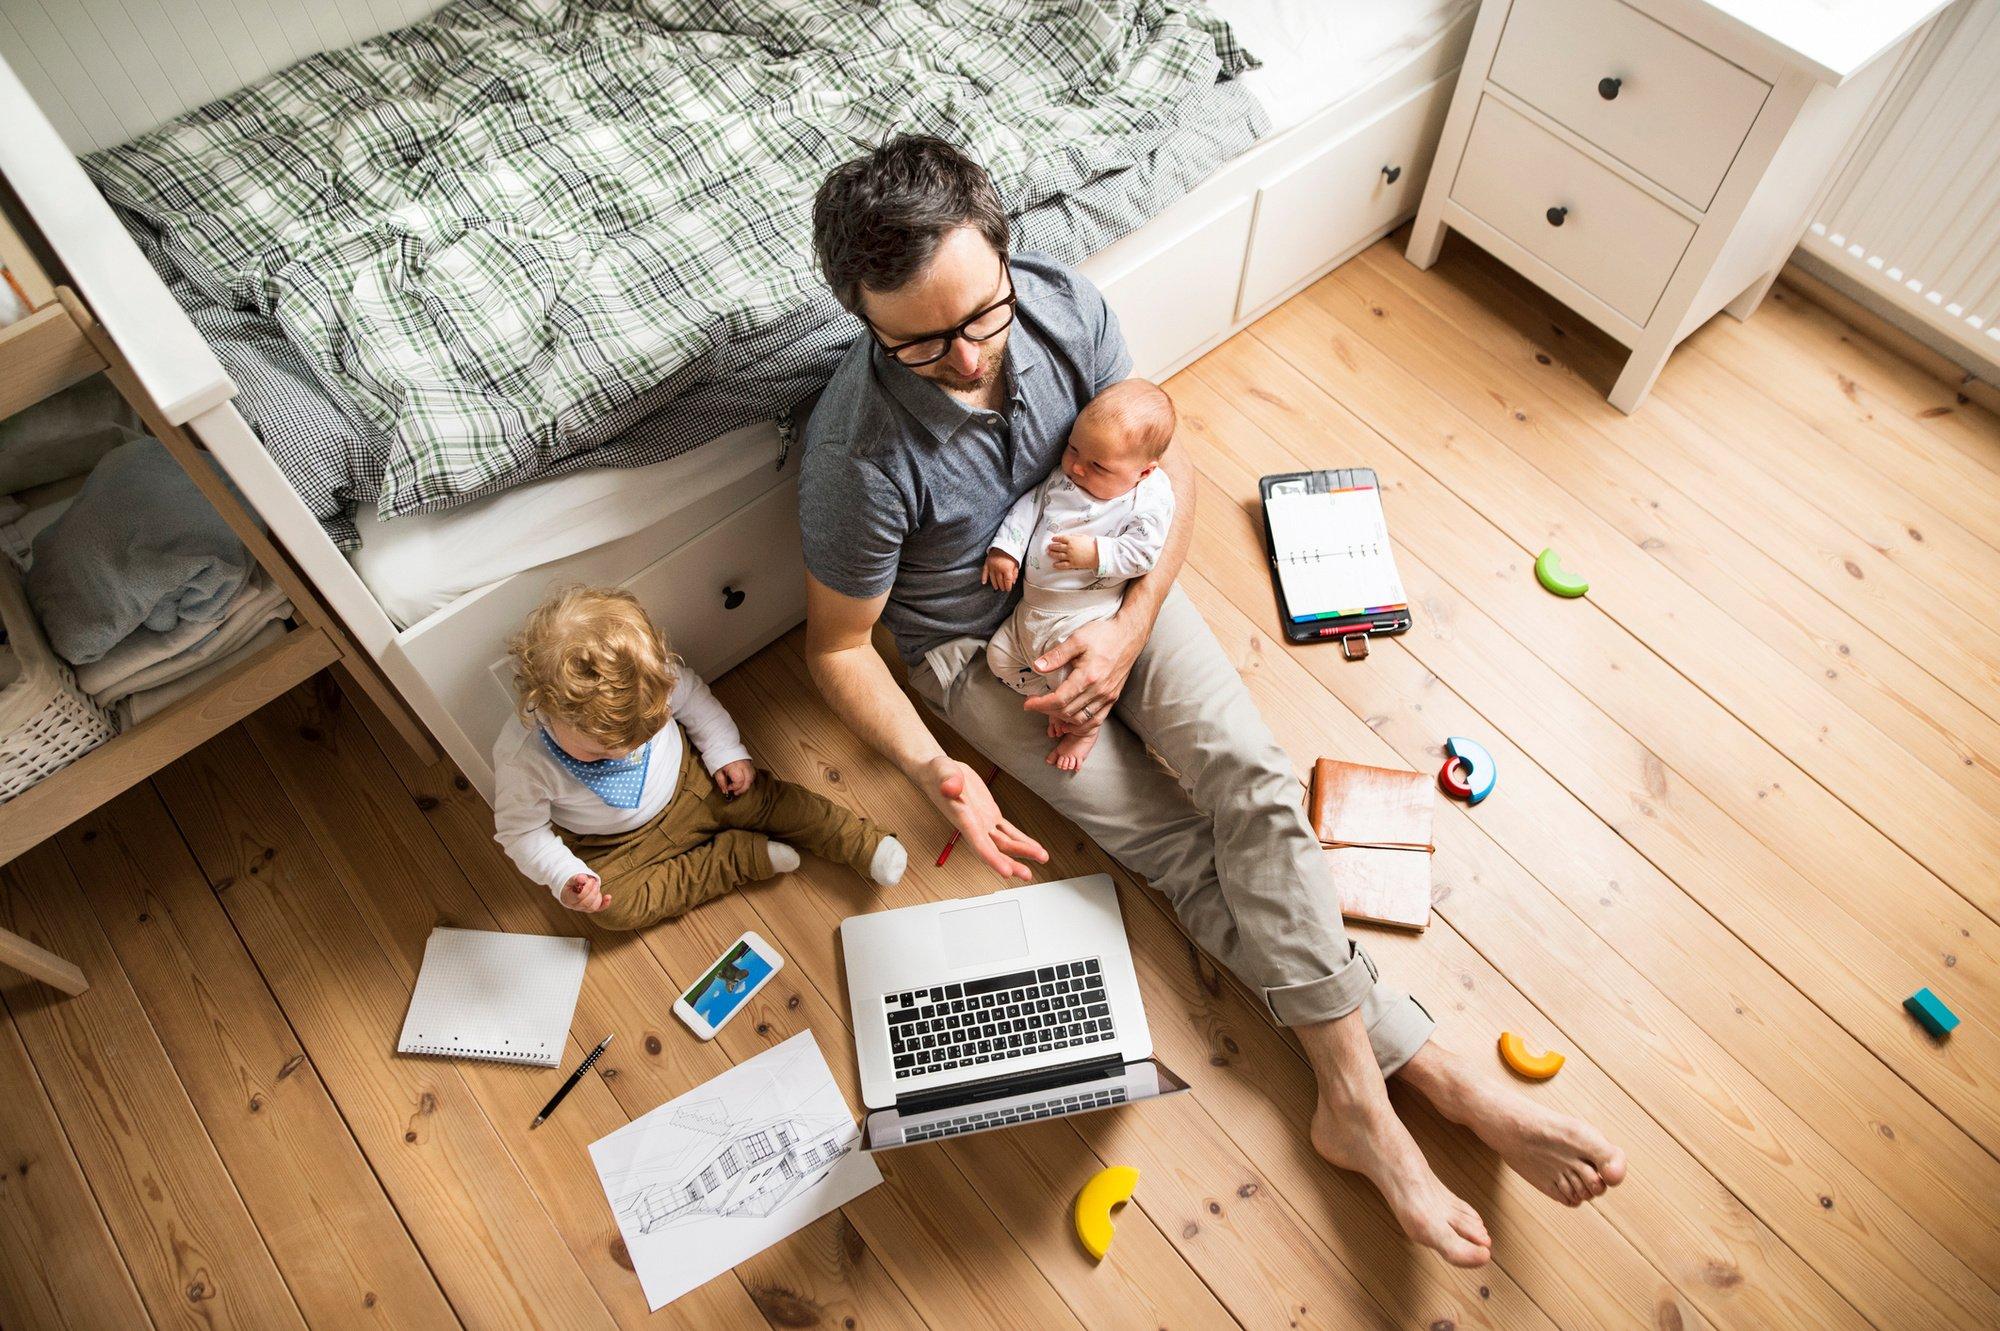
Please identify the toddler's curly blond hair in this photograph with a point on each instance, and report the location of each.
(592, 658)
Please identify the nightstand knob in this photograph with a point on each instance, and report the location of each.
(731, 598)
(1392, 173)
(1608, 88)
(1556, 215)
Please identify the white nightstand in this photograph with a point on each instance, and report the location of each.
(1651, 163)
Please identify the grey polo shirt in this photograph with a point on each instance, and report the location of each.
(902, 485)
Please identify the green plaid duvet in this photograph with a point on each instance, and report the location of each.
(497, 235)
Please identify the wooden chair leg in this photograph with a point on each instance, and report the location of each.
(38, 963)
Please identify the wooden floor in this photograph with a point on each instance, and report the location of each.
(1748, 801)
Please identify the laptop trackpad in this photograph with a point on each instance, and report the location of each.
(983, 935)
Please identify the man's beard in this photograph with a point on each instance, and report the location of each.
(989, 365)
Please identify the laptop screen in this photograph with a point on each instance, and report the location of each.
(1001, 1105)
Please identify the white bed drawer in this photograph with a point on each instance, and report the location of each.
(1676, 111)
(1348, 192)
(724, 594)
(1601, 232)
(1173, 299)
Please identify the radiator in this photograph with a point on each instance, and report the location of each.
(1915, 215)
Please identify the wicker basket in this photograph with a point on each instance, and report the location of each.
(46, 722)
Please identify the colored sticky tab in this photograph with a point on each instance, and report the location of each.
(1930, 1010)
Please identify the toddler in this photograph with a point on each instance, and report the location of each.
(625, 786)
(1097, 522)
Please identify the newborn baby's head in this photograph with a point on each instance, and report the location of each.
(1118, 438)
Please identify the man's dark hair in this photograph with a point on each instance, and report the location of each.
(878, 219)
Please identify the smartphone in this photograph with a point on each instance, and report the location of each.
(746, 966)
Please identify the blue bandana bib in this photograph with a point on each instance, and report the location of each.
(619, 782)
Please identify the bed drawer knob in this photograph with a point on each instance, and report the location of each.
(1392, 173)
(1556, 216)
(1608, 88)
(731, 598)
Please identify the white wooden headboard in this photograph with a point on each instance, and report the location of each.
(105, 70)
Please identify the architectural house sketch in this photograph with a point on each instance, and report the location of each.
(723, 1172)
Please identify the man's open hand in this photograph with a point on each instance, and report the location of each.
(957, 790)
(1099, 656)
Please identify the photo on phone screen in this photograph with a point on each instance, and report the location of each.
(716, 996)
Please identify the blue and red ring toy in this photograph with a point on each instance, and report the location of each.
(1480, 773)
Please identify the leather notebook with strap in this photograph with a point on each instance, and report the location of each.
(1374, 825)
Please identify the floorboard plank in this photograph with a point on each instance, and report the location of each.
(58, 1264)
(1577, 679)
(333, 1233)
(403, 885)
(1786, 707)
(498, 1255)
(1836, 1084)
(1787, 1193)
(1512, 346)
(192, 1249)
(1842, 567)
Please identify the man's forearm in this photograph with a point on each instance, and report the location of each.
(858, 686)
(1145, 595)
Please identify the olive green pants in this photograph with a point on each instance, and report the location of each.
(704, 844)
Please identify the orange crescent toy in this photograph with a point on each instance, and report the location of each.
(1535, 1067)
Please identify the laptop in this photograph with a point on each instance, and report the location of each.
(984, 1012)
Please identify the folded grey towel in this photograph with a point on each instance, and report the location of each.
(139, 547)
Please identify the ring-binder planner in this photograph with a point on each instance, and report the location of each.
(505, 998)
(1331, 564)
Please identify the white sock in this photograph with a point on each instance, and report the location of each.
(783, 858)
(889, 862)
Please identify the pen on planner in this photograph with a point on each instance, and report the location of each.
(952, 840)
(574, 1078)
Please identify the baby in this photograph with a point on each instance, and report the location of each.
(1097, 522)
(598, 791)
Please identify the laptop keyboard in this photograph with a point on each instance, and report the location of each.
(997, 1118)
(942, 1027)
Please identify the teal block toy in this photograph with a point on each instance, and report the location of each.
(1926, 1007)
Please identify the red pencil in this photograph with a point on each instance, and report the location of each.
(952, 840)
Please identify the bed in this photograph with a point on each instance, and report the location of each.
(1351, 96)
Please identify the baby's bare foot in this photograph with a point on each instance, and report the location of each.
(1070, 752)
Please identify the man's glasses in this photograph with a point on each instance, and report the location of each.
(934, 347)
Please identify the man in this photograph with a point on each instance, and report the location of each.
(955, 401)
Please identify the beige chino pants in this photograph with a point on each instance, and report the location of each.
(1221, 835)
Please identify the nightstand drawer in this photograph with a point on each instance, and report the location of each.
(1608, 236)
(1676, 111)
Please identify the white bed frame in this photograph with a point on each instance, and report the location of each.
(722, 570)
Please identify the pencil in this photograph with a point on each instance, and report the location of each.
(952, 840)
(569, 1085)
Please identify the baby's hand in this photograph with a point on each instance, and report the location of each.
(1000, 571)
(735, 778)
(585, 892)
(1074, 552)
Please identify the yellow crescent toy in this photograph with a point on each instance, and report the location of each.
(1107, 1188)
(1535, 1067)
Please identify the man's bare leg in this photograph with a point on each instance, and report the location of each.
(1564, 1156)
(1355, 1127)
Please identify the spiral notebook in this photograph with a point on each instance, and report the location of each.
(504, 997)
(1330, 555)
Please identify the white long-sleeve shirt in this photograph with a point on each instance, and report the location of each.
(1130, 529)
(533, 795)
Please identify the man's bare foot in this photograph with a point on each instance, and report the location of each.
(1073, 748)
(1373, 1142)
(1562, 1155)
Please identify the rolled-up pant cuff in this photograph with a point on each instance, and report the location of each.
(1398, 1026)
